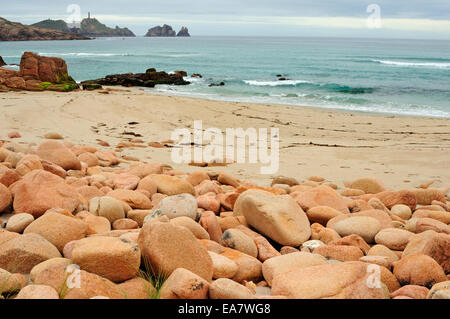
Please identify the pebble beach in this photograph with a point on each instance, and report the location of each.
(91, 205)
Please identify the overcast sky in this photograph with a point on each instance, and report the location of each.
(399, 18)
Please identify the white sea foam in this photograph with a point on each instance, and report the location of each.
(415, 64)
(12, 67)
(275, 83)
(83, 54)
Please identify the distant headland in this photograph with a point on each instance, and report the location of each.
(89, 28)
(14, 31)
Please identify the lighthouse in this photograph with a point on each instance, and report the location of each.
(89, 15)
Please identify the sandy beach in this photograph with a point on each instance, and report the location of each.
(401, 151)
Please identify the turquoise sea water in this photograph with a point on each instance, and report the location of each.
(410, 77)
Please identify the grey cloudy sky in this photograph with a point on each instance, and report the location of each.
(399, 18)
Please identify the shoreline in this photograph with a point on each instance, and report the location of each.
(318, 107)
(336, 144)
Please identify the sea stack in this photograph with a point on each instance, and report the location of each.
(158, 31)
(2, 63)
(184, 32)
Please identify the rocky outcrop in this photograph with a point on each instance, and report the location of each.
(184, 32)
(14, 31)
(42, 68)
(91, 27)
(164, 31)
(58, 25)
(148, 79)
(2, 63)
(38, 73)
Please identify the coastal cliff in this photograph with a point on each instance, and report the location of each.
(14, 31)
(167, 31)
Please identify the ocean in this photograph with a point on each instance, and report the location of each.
(398, 77)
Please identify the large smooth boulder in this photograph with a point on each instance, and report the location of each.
(223, 266)
(412, 291)
(5, 197)
(11, 283)
(138, 288)
(436, 245)
(419, 225)
(285, 263)
(167, 247)
(22, 253)
(107, 207)
(340, 252)
(364, 226)
(136, 200)
(148, 184)
(322, 195)
(72, 283)
(383, 251)
(37, 292)
(393, 238)
(442, 216)
(58, 154)
(347, 280)
(383, 218)
(236, 239)
(28, 163)
(190, 224)
(58, 228)
(418, 269)
(8, 176)
(427, 196)
(171, 185)
(178, 205)
(440, 291)
(18, 222)
(249, 268)
(368, 185)
(224, 288)
(277, 217)
(322, 214)
(112, 258)
(40, 191)
(392, 198)
(184, 284)
(45, 265)
(353, 240)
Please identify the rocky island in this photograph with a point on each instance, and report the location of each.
(184, 32)
(89, 27)
(167, 31)
(14, 31)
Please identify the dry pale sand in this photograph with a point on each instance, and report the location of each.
(401, 151)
